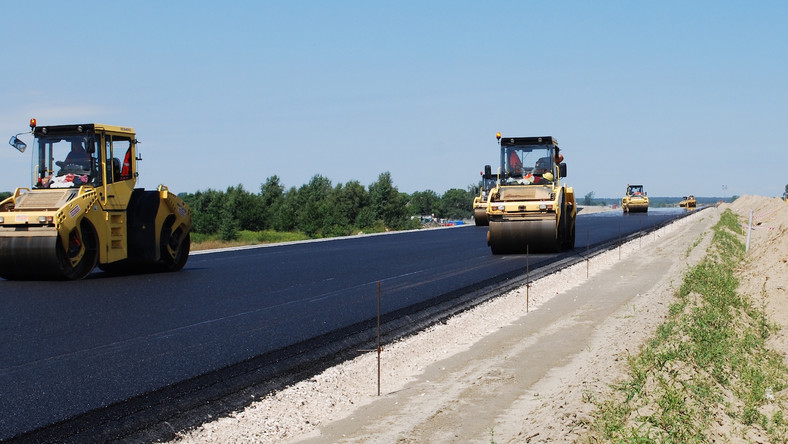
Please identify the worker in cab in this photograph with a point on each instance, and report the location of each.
(77, 156)
(541, 167)
(515, 164)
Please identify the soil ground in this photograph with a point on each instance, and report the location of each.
(519, 368)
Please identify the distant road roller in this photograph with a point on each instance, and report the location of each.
(636, 200)
(480, 201)
(528, 209)
(83, 211)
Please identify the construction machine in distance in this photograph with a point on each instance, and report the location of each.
(688, 202)
(480, 201)
(83, 209)
(529, 209)
(635, 201)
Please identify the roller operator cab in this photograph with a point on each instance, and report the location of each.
(529, 210)
(636, 200)
(82, 209)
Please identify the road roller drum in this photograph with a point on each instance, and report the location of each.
(519, 237)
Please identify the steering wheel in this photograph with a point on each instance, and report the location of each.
(71, 168)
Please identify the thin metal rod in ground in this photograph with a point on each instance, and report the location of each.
(527, 276)
(378, 338)
(749, 230)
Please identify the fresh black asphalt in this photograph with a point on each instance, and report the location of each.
(70, 347)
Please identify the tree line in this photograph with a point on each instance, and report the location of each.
(321, 209)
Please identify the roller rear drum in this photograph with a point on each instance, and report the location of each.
(535, 236)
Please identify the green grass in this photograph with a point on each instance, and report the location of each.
(694, 244)
(709, 357)
(202, 241)
(205, 241)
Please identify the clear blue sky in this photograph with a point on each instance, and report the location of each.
(683, 97)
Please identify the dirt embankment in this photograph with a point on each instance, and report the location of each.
(765, 277)
(519, 368)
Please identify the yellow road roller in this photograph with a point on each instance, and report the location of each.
(636, 200)
(480, 201)
(529, 209)
(83, 210)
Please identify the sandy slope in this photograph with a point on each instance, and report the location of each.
(519, 368)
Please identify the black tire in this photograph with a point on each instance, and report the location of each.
(570, 236)
(561, 233)
(568, 230)
(89, 250)
(174, 254)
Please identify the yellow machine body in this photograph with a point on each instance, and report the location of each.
(480, 211)
(88, 213)
(480, 201)
(635, 200)
(529, 210)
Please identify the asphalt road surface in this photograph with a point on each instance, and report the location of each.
(70, 347)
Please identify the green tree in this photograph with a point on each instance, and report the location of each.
(349, 200)
(387, 203)
(283, 212)
(588, 200)
(247, 208)
(365, 218)
(424, 203)
(457, 204)
(205, 206)
(271, 195)
(232, 214)
(6, 194)
(314, 211)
